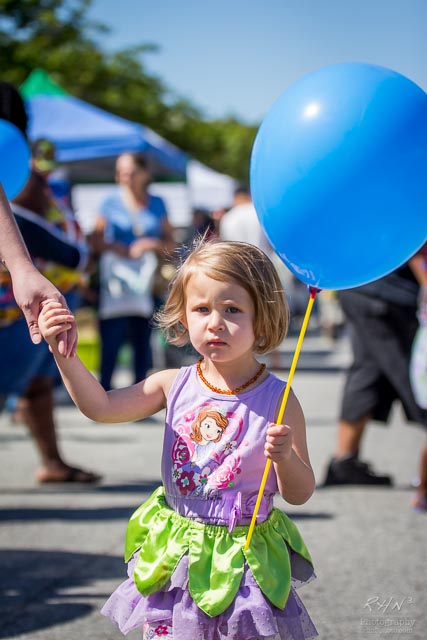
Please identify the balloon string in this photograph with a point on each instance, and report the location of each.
(310, 304)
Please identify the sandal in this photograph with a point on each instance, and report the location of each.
(69, 474)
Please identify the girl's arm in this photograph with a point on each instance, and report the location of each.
(120, 405)
(286, 446)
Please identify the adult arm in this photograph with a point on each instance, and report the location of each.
(30, 288)
(13, 252)
(163, 245)
(99, 243)
(418, 266)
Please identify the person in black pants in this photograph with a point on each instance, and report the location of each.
(382, 318)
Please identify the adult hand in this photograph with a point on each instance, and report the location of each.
(30, 289)
(139, 246)
(422, 305)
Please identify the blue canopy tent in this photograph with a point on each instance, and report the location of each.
(87, 139)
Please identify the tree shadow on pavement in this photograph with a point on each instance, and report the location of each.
(34, 587)
(141, 487)
(34, 514)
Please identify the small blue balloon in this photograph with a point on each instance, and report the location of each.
(14, 159)
(339, 174)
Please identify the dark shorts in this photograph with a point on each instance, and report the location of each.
(382, 334)
(21, 360)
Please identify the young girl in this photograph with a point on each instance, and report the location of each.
(189, 574)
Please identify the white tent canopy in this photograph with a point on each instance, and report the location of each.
(209, 189)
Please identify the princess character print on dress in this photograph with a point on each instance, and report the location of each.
(205, 454)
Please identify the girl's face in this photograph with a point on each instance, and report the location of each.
(219, 317)
(209, 429)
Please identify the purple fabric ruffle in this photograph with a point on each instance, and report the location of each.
(250, 617)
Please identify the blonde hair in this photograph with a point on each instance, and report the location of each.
(228, 261)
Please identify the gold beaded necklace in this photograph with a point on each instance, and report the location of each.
(228, 392)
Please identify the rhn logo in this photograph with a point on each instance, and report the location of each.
(388, 605)
(385, 618)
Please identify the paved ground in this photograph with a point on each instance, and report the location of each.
(61, 546)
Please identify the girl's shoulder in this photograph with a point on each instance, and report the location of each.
(169, 378)
(163, 379)
(179, 382)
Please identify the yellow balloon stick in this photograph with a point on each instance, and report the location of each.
(281, 411)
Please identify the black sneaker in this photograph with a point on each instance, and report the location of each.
(351, 470)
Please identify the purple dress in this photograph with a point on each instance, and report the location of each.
(189, 575)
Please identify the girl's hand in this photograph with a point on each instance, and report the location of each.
(53, 320)
(278, 443)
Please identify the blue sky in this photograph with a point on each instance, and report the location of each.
(235, 57)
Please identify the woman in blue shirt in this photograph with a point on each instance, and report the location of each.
(131, 232)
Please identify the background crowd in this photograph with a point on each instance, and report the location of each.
(121, 270)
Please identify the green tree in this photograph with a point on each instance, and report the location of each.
(57, 36)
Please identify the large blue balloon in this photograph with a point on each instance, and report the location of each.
(14, 159)
(339, 174)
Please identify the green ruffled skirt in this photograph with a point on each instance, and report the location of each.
(216, 557)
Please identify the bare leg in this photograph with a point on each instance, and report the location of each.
(420, 500)
(36, 407)
(346, 468)
(350, 436)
